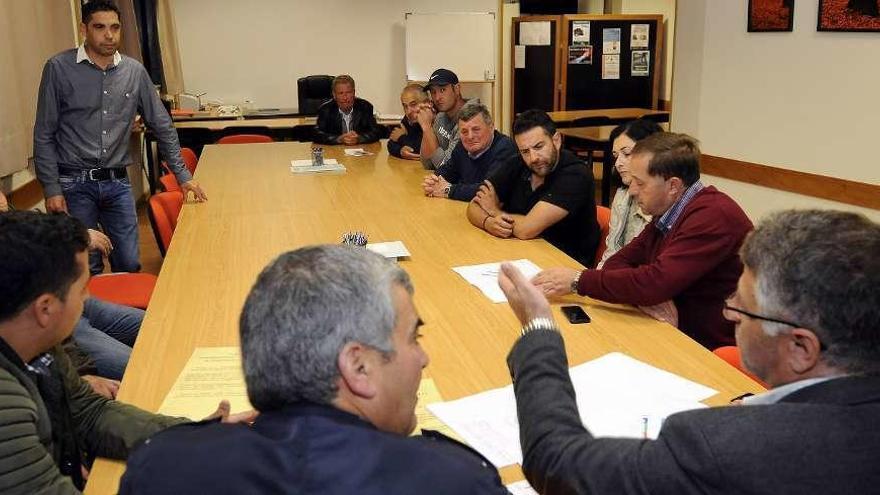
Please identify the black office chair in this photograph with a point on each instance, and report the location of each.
(312, 92)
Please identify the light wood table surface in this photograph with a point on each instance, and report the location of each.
(563, 117)
(258, 209)
(275, 123)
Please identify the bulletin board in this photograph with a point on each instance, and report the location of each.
(535, 63)
(635, 79)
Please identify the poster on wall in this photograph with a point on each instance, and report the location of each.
(580, 32)
(849, 15)
(638, 37)
(534, 33)
(519, 56)
(611, 66)
(771, 15)
(610, 41)
(641, 61)
(580, 54)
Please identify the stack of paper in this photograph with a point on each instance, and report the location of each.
(485, 276)
(306, 166)
(617, 396)
(211, 375)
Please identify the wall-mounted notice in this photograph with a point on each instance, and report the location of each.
(580, 32)
(534, 33)
(519, 56)
(640, 62)
(610, 41)
(610, 66)
(638, 36)
(580, 54)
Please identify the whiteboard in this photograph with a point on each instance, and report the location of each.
(463, 42)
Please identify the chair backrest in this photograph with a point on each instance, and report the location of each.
(312, 92)
(245, 139)
(730, 353)
(164, 210)
(189, 159)
(169, 182)
(657, 117)
(603, 217)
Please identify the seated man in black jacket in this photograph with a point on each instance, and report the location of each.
(406, 141)
(346, 119)
(331, 357)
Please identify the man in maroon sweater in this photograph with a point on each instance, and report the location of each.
(685, 263)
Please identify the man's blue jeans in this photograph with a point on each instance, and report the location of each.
(110, 204)
(107, 332)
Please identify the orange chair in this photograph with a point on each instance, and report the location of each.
(128, 289)
(730, 353)
(164, 210)
(190, 160)
(603, 217)
(245, 139)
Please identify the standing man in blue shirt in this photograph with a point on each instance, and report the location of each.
(87, 103)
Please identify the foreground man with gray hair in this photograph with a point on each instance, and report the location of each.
(807, 315)
(329, 342)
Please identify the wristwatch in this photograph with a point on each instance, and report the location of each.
(539, 323)
(574, 283)
(446, 190)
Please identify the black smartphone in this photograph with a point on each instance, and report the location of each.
(575, 314)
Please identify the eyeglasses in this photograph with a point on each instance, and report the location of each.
(753, 316)
(732, 309)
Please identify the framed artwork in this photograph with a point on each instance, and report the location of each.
(849, 15)
(771, 15)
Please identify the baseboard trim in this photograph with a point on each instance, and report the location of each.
(815, 185)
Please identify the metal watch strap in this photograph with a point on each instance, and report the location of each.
(539, 323)
(575, 282)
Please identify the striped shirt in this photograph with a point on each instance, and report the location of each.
(668, 219)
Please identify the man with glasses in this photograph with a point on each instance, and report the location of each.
(683, 264)
(807, 317)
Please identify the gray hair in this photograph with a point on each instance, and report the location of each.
(304, 307)
(342, 79)
(471, 110)
(821, 270)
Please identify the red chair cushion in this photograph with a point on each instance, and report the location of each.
(128, 289)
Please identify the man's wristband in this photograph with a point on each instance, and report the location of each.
(576, 282)
(484, 221)
(539, 323)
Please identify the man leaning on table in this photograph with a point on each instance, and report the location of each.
(405, 140)
(807, 316)
(439, 118)
(87, 103)
(685, 262)
(331, 356)
(346, 119)
(546, 192)
(51, 422)
(479, 152)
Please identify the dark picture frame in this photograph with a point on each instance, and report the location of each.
(860, 16)
(770, 16)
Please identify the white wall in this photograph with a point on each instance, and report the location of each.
(238, 50)
(804, 100)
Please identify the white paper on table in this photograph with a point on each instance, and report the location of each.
(519, 56)
(485, 276)
(389, 116)
(306, 167)
(521, 488)
(357, 152)
(210, 375)
(392, 249)
(535, 33)
(617, 396)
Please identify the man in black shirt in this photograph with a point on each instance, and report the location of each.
(545, 192)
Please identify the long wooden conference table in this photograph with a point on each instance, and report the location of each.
(258, 209)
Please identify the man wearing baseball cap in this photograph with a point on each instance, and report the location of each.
(439, 119)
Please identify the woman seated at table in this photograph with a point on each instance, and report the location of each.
(627, 219)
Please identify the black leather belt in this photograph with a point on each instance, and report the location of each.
(95, 174)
